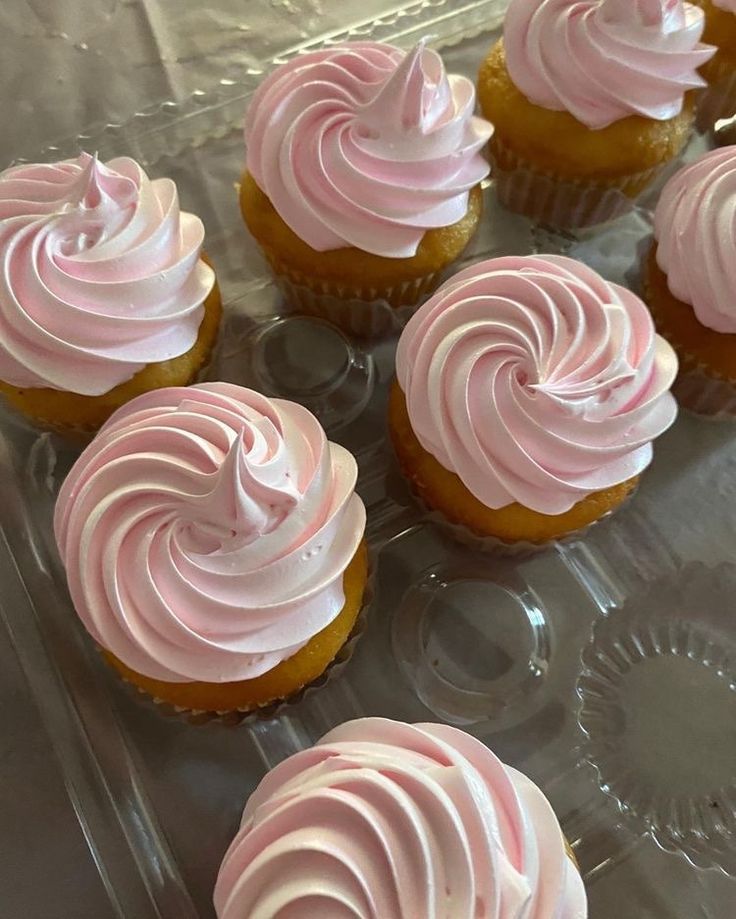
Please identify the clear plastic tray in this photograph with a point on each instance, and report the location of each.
(605, 668)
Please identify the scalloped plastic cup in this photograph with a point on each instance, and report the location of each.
(669, 771)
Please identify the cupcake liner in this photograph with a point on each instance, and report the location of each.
(270, 710)
(565, 203)
(498, 546)
(365, 311)
(697, 388)
(488, 543)
(703, 394)
(355, 312)
(718, 99)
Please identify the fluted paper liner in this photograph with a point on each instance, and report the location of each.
(359, 313)
(697, 388)
(367, 311)
(565, 203)
(495, 544)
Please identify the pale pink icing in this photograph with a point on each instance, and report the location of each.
(99, 274)
(205, 532)
(536, 381)
(385, 820)
(603, 60)
(363, 145)
(695, 230)
(728, 5)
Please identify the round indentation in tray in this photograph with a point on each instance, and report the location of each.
(309, 361)
(473, 648)
(658, 693)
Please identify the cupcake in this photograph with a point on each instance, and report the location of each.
(719, 99)
(690, 279)
(386, 820)
(528, 393)
(362, 179)
(104, 292)
(589, 99)
(213, 546)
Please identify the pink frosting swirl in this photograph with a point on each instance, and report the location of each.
(101, 274)
(363, 145)
(205, 532)
(385, 820)
(728, 5)
(603, 60)
(535, 380)
(695, 229)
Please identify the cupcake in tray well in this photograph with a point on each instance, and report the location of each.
(104, 292)
(528, 393)
(386, 820)
(362, 178)
(213, 546)
(589, 99)
(719, 99)
(690, 279)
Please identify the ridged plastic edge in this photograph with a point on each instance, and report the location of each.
(169, 127)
